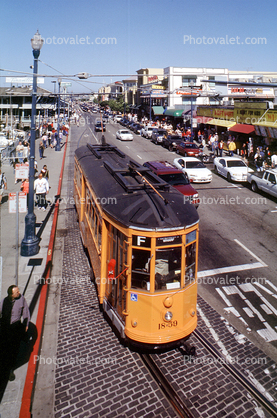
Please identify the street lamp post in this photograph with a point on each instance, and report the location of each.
(58, 144)
(30, 242)
(191, 118)
(150, 116)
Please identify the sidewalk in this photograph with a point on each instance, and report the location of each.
(31, 269)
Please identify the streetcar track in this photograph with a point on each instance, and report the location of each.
(171, 395)
(269, 406)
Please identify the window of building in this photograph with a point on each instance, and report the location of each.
(187, 80)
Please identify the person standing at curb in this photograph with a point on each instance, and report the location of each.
(3, 185)
(41, 186)
(12, 308)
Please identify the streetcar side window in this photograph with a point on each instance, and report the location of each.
(190, 263)
(141, 269)
(168, 268)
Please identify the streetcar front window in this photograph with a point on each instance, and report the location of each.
(141, 269)
(168, 268)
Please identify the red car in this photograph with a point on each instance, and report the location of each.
(175, 177)
(188, 149)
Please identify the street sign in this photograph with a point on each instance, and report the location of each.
(24, 80)
(21, 171)
(22, 202)
(64, 84)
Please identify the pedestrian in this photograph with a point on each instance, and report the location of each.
(3, 185)
(53, 139)
(232, 147)
(41, 186)
(274, 160)
(19, 151)
(25, 188)
(44, 139)
(41, 149)
(220, 147)
(12, 309)
(45, 172)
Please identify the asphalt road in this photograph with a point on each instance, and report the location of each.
(237, 248)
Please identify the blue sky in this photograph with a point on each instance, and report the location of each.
(153, 33)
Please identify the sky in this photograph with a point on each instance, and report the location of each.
(119, 37)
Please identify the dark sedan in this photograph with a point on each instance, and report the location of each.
(171, 142)
(98, 127)
(158, 135)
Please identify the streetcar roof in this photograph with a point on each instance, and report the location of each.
(123, 188)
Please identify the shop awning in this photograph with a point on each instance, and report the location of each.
(176, 113)
(221, 122)
(242, 128)
(266, 124)
(158, 110)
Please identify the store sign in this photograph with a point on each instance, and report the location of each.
(251, 91)
(152, 78)
(226, 114)
(188, 92)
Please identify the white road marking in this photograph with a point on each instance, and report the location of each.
(268, 334)
(231, 290)
(271, 284)
(250, 252)
(139, 156)
(248, 312)
(230, 269)
(269, 305)
(226, 300)
(266, 309)
(263, 287)
(261, 318)
(93, 135)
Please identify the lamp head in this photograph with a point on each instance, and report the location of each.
(36, 43)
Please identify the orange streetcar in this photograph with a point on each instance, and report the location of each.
(142, 239)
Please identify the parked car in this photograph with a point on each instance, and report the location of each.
(98, 127)
(138, 129)
(233, 168)
(158, 135)
(124, 135)
(196, 171)
(117, 118)
(123, 121)
(266, 181)
(175, 177)
(171, 141)
(147, 131)
(132, 126)
(188, 149)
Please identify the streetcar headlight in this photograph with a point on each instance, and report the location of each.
(168, 316)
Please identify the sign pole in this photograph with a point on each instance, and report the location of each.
(16, 238)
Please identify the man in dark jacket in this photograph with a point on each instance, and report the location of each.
(12, 309)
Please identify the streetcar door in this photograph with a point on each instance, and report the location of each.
(116, 282)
